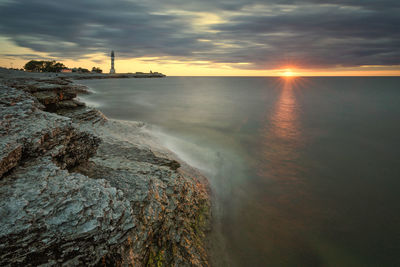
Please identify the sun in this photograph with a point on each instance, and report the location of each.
(288, 73)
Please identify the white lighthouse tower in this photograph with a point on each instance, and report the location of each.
(112, 70)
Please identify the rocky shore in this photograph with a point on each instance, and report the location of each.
(78, 189)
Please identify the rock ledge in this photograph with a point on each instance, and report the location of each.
(79, 189)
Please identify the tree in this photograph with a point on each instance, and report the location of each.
(33, 65)
(57, 67)
(83, 70)
(97, 70)
(44, 66)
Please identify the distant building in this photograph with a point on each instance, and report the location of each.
(112, 70)
(66, 70)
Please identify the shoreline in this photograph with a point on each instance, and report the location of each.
(158, 209)
(77, 75)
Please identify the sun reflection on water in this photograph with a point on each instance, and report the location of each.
(279, 194)
(282, 135)
(284, 119)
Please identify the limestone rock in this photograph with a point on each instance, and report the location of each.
(49, 216)
(52, 93)
(83, 114)
(27, 132)
(171, 208)
(67, 199)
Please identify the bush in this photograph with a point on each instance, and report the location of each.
(97, 70)
(44, 66)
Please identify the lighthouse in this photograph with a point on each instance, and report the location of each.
(112, 70)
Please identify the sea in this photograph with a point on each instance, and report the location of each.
(305, 171)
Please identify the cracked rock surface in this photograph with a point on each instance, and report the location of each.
(50, 216)
(77, 189)
(171, 207)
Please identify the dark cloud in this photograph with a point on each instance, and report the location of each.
(23, 56)
(319, 36)
(75, 28)
(265, 34)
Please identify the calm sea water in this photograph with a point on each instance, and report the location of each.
(306, 171)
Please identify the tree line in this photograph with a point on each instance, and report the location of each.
(53, 66)
(44, 66)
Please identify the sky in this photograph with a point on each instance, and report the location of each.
(207, 37)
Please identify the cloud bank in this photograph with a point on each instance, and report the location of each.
(256, 34)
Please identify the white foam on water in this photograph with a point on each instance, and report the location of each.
(197, 156)
(84, 98)
(89, 103)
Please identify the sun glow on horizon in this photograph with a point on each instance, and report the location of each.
(288, 73)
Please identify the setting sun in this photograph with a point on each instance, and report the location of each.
(288, 73)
